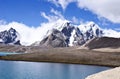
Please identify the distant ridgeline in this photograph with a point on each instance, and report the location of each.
(10, 36)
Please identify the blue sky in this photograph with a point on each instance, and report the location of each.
(29, 12)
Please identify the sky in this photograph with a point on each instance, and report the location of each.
(33, 14)
(105, 13)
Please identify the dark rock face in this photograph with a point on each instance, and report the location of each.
(56, 39)
(90, 33)
(9, 37)
(67, 32)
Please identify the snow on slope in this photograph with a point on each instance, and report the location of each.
(72, 38)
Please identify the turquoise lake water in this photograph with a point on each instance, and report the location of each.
(8, 53)
(38, 70)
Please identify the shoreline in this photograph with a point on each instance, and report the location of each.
(68, 55)
(107, 74)
(112, 66)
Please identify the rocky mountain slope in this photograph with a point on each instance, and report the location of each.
(55, 39)
(10, 36)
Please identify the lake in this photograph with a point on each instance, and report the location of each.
(39, 70)
(8, 53)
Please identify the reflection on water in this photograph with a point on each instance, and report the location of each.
(34, 70)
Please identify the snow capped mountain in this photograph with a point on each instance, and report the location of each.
(10, 36)
(71, 35)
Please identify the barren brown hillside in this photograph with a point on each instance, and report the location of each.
(103, 42)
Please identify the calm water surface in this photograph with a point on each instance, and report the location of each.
(8, 53)
(38, 70)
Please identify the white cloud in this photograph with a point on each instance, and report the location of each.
(75, 20)
(108, 9)
(2, 22)
(111, 33)
(57, 13)
(51, 18)
(43, 14)
(62, 3)
(103, 21)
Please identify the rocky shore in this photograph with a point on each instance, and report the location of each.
(108, 74)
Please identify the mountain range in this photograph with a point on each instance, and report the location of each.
(61, 35)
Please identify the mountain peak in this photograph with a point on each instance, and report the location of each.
(92, 24)
(10, 36)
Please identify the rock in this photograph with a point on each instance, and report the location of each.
(108, 74)
(56, 39)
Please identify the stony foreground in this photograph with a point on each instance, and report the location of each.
(108, 74)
